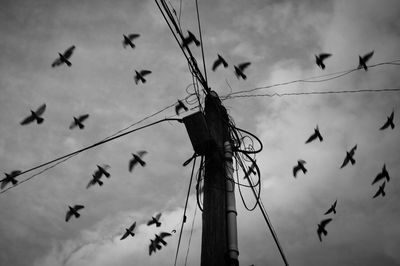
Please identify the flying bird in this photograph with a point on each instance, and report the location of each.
(160, 238)
(332, 208)
(180, 106)
(35, 115)
(218, 62)
(129, 231)
(316, 134)
(140, 76)
(381, 175)
(321, 228)
(380, 191)
(240, 68)
(101, 170)
(78, 121)
(299, 166)
(154, 245)
(10, 178)
(389, 122)
(364, 59)
(189, 39)
(64, 58)
(128, 40)
(319, 59)
(73, 211)
(155, 220)
(137, 158)
(349, 157)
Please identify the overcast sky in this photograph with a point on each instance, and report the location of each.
(280, 39)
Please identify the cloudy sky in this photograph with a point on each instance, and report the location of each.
(280, 39)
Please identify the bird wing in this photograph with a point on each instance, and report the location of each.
(57, 62)
(141, 153)
(311, 138)
(345, 161)
(132, 163)
(4, 182)
(391, 116)
(377, 178)
(132, 226)
(72, 125)
(27, 120)
(368, 56)
(150, 222)
(242, 66)
(125, 235)
(78, 207)
(15, 173)
(164, 234)
(329, 211)
(68, 216)
(67, 54)
(324, 56)
(295, 170)
(216, 64)
(133, 36)
(83, 117)
(41, 110)
(325, 222)
(158, 216)
(145, 72)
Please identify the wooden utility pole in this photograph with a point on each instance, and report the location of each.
(214, 232)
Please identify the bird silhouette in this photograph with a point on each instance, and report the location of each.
(240, 68)
(137, 158)
(189, 39)
(10, 178)
(380, 191)
(100, 171)
(128, 40)
(160, 238)
(78, 121)
(364, 59)
(218, 62)
(321, 228)
(180, 106)
(140, 76)
(64, 57)
(129, 231)
(154, 245)
(389, 122)
(381, 175)
(316, 134)
(332, 208)
(299, 166)
(73, 211)
(319, 59)
(35, 115)
(155, 220)
(349, 157)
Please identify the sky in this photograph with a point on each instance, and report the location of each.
(280, 39)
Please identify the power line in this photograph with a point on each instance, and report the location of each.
(201, 42)
(316, 79)
(72, 154)
(229, 97)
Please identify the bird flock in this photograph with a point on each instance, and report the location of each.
(349, 158)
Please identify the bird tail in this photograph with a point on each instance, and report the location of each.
(383, 193)
(352, 161)
(132, 234)
(81, 126)
(39, 120)
(158, 224)
(14, 182)
(68, 63)
(77, 215)
(100, 182)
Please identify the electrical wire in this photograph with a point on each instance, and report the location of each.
(315, 79)
(184, 212)
(311, 93)
(190, 237)
(70, 155)
(201, 42)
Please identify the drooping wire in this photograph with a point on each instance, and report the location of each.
(184, 211)
(311, 93)
(190, 237)
(314, 79)
(72, 154)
